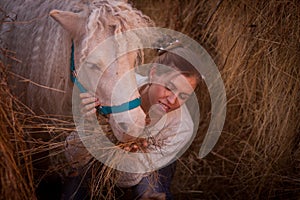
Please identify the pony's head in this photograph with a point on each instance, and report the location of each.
(105, 67)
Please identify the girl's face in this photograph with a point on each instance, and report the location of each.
(169, 91)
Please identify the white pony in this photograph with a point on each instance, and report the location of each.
(91, 25)
(44, 52)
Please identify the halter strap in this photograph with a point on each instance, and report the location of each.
(73, 72)
(103, 110)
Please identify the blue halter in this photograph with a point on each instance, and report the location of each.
(103, 110)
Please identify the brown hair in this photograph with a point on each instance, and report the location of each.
(175, 61)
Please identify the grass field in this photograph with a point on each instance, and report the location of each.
(256, 46)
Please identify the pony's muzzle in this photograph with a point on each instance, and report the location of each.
(123, 127)
(131, 123)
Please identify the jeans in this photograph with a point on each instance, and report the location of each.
(76, 188)
(154, 184)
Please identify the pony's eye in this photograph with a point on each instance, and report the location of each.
(92, 66)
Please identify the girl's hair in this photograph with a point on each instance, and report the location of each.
(171, 57)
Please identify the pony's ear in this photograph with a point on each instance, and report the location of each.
(70, 21)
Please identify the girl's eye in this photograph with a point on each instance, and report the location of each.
(183, 96)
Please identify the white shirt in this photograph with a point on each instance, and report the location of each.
(171, 136)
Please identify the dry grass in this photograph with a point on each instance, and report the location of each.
(32, 153)
(16, 170)
(256, 46)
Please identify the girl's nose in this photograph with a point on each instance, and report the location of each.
(172, 98)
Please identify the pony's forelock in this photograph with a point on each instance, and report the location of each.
(105, 15)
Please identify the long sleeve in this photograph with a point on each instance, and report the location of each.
(171, 136)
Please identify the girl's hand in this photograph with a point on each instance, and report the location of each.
(88, 103)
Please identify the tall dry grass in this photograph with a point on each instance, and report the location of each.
(256, 47)
(16, 172)
(31, 146)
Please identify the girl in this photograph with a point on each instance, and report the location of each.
(170, 83)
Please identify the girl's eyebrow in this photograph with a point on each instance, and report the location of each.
(174, 86)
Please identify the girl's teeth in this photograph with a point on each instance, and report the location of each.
(165, 108)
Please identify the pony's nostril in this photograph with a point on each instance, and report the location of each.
(123, 126)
